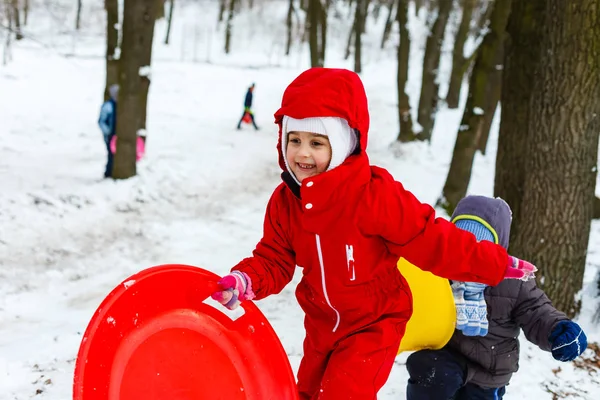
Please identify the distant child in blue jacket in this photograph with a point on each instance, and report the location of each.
(108, 125)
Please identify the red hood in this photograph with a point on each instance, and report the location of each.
(326, 92)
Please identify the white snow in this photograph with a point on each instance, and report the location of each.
(68, 237)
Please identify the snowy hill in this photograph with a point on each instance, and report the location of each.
(67, 237)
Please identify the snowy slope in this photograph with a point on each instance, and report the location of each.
(67, 237)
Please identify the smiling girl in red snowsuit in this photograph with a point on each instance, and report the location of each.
(346, 223)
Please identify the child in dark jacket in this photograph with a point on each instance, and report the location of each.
(346, 223)
(479, 361)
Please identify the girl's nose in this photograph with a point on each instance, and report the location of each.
(304, 151)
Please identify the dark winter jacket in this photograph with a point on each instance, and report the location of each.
(248, 99)
(512, 305)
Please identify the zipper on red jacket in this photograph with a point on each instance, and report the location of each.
(320, 253)
(350, 262)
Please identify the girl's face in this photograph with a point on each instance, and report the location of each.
(307, 154)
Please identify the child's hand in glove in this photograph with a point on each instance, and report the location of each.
(519, 269)
(236, 287)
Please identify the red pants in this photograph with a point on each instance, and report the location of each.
(357, 366)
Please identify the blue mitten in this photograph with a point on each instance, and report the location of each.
(476, 307)
(568, 341)
(458, 291)
(471, 309)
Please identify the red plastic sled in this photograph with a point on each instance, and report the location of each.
(247, 118)
(153, 338)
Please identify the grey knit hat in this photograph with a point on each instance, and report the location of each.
(494, 211)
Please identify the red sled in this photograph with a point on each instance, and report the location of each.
(154, 338)
(247, 118)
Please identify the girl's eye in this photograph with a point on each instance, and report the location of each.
(317, 144)
(294, 140)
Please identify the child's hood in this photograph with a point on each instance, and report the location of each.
(495, 213)
(326, 92)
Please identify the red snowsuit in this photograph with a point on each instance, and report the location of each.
(347, 229)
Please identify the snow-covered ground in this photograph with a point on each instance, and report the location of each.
(67, 237)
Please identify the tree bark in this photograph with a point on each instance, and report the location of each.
(522, 55)
(596, 208)
(169, 22)
(145, 61)
(458, 54)
(359, 24)
(562, 147)
(222, 7)
(138, 31)
(112, 43)
(289, 23)
(313, 17)
(25, 11)
(387, 28)
(471, 126)
(406, 126)
(6, 56)
(428, 99)
(492, 100)
(350, 37)
(160, 9)
(323, 30)
(229, 26)
(78, 16)
(17, 20)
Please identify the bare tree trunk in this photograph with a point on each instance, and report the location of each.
(406, 129)
(429, 87)
(138, 31)
(483, 16)
(160, 9)
(562, 150)
(112, 43)
(229, 26)
(492, 101)
(25, 11)
(323, 30)
(418, 6)
(313, 17)
(596, 208)
(171, 8)
(17, 19)
(78, 16)
(458, 57)
(289, 24)
(350, 37)
(522, 55)
(471, 126)
(222, 7)
(387, 29)
(359, 23)
(145, 60)
(6, 56)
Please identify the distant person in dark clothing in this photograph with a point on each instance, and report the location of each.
(108, 125)
(248, 115)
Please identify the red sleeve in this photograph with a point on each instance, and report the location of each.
(272, 264)
(412, 231)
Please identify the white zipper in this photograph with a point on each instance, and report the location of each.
(350, 262)
(337, 314)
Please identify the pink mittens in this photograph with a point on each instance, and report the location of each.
(236, 287)
(519, 269)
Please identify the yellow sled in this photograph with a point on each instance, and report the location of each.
(434, 315)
